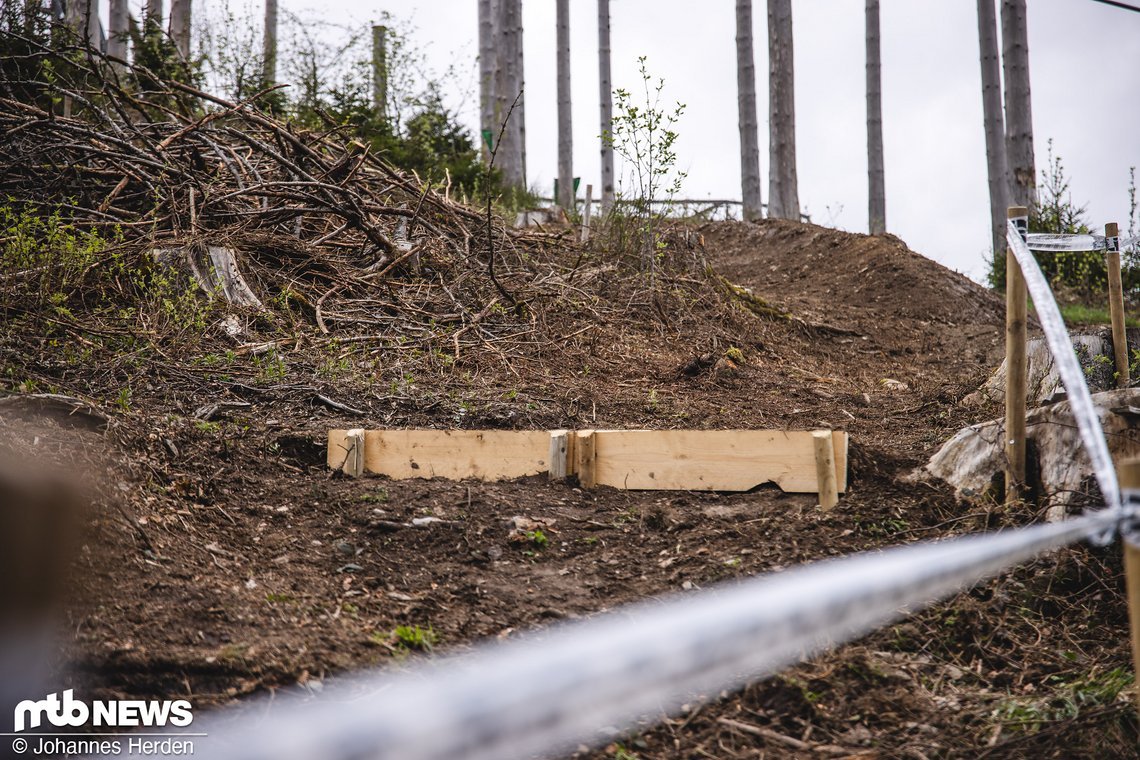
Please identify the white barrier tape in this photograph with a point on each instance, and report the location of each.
(1080, 400)
(1130, 526)
(1049, 243)
(556, 688)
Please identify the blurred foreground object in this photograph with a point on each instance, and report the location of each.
(39, 519)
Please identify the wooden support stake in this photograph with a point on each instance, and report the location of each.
(584, 458)
(825, 469)
(586, 213)
(354, 459)
(1016, 370)
(1116, 302)
(562, 464)
(1129, 474)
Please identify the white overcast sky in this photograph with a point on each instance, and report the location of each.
(1084, 69)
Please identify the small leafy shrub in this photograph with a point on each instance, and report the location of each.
(643, 133)
(413, 637)
(56, 271)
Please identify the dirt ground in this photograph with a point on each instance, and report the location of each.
(224, 559)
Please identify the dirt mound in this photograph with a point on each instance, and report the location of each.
(831, 275)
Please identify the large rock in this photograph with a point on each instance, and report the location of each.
(973, 461)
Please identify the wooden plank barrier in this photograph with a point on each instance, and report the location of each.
(453, 454)
(685, 460)
(711, 460)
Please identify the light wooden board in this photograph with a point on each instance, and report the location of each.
(712, 460)
(453, 454)
(690, 460)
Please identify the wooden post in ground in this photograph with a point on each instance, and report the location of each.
(562, 464)
(1116, 302)
(354, 457)
(586, 213)
(1129, 474)
(825, 469)
(584, 458)
(1015, 364)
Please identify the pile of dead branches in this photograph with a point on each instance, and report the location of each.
(164, 164)
(339, 248)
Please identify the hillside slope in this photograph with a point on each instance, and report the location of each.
(223, 558)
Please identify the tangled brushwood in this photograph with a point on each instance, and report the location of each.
(126, 195)
(153, 167)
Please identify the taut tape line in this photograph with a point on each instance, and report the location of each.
(1050, 243)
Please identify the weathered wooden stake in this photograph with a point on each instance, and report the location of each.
(1016, 370)
(584, 458)
(1116, 302)
(562, 464)
(586, 213)
(1129, 474)
(825, 469)
(354, 459)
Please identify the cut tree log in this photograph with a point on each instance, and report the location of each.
(1059, 468)
(214, 269)
(1094, 350)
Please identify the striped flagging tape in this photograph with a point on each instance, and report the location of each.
(587, 681)
(1047, 242)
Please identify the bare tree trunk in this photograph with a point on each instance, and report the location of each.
(73, 17)
(746, 106)
(118, 29)
(565, 139)
(269, 45)
(876, 183)
(498, 73)
(487, 126)
(380, 71)
(180, 12)
(783, 193)
(605, 88)
(996, 165)
(1018, 111)
(509, 156)
(152, 17)
(82, 17)
(519, 118)
(94, 26)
